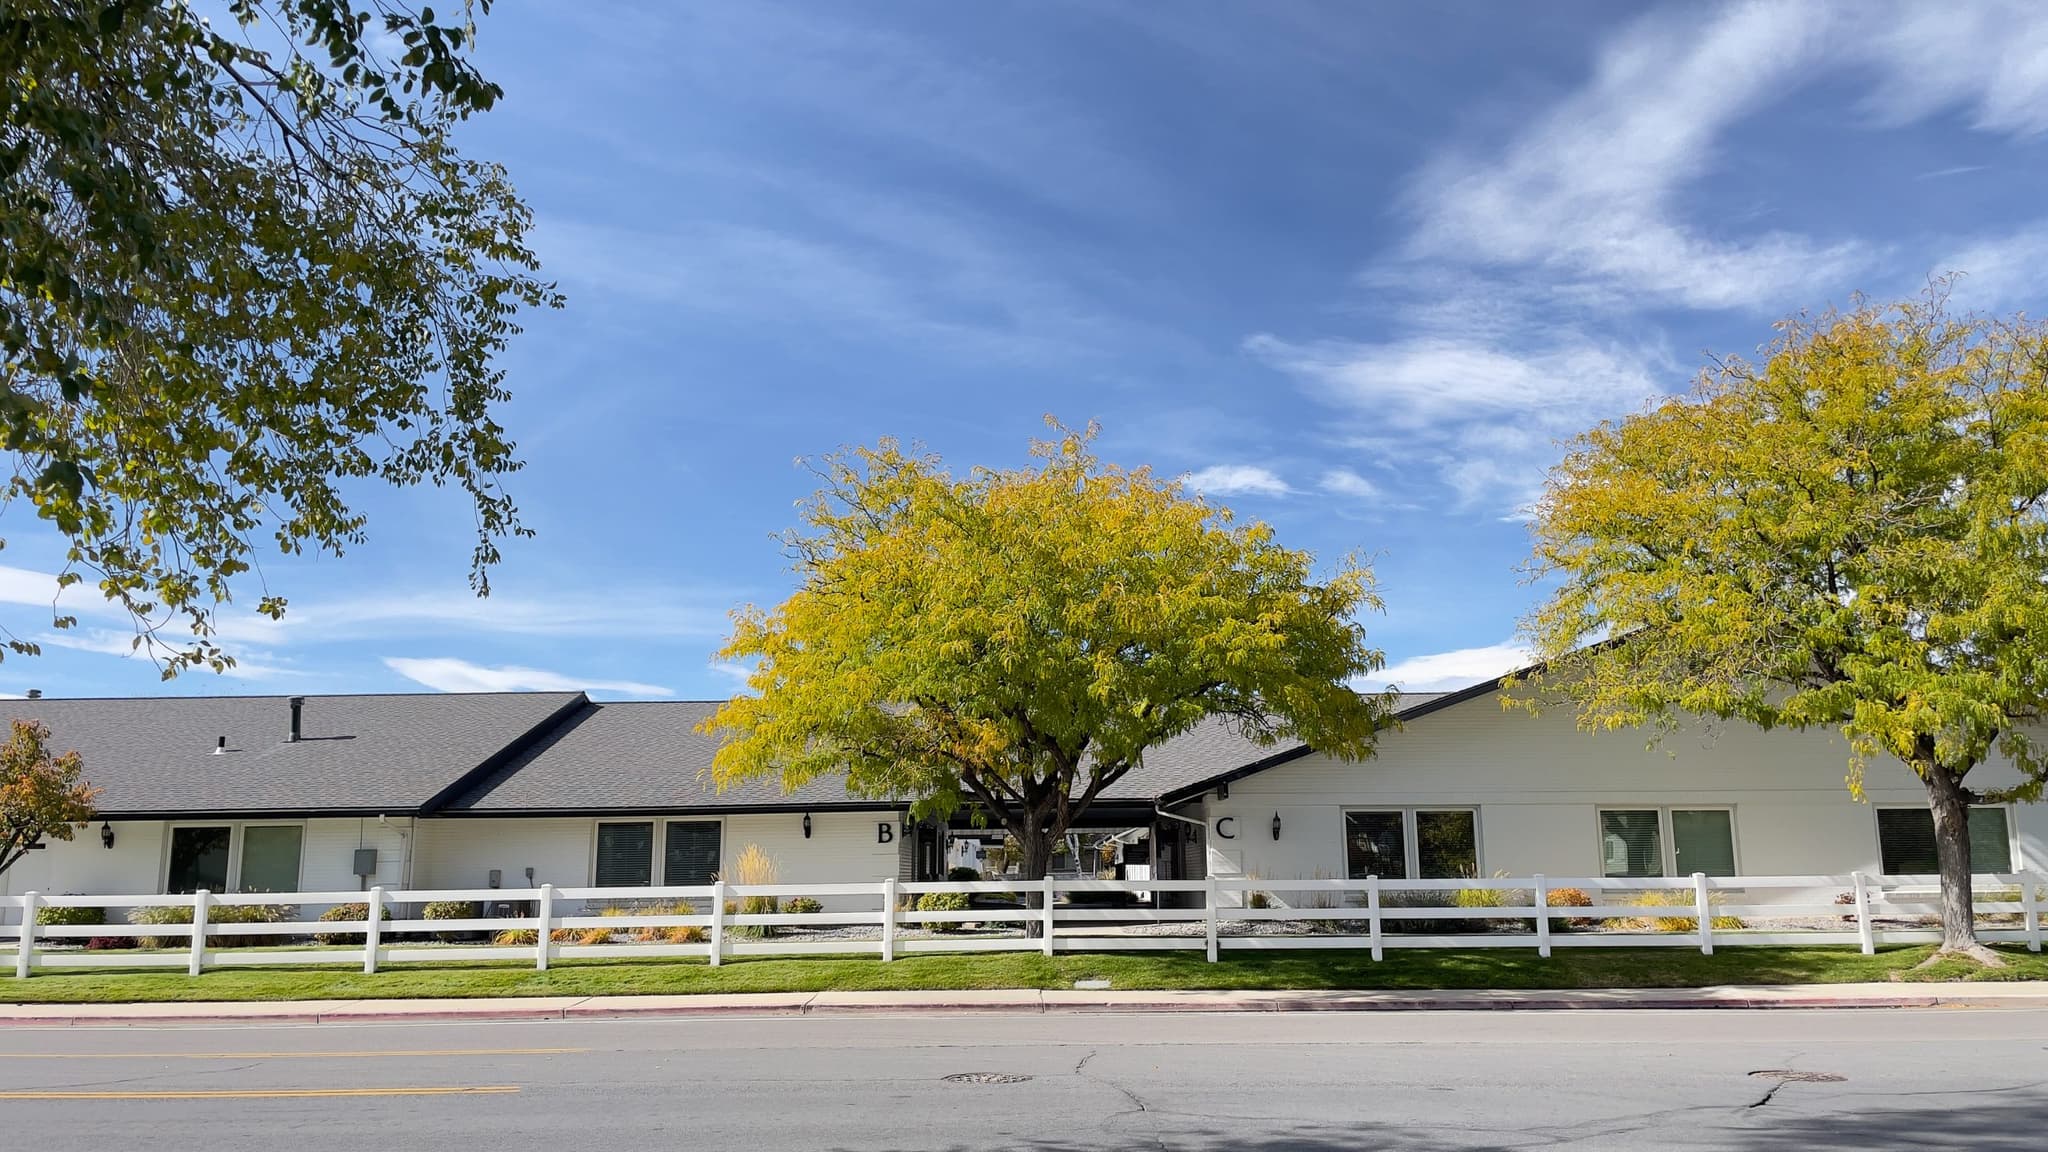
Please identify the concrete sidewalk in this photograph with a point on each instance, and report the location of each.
(2014, 995)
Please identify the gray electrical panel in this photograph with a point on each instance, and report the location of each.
(366, 862)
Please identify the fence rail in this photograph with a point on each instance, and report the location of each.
(742, 919)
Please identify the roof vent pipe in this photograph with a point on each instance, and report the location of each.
(298, 704)
(221, 746)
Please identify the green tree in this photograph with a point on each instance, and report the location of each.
(1848, 535)
(40, 795)
(242, 268)
(1017, 640)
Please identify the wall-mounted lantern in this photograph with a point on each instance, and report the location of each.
(807, 825)
(106, 835)
(1276, 825)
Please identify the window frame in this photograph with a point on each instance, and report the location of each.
(1411, 845)
(1667, 845)
(657, 864)
(235, 845)
(2011, 833)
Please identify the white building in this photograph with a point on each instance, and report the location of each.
(336, 793)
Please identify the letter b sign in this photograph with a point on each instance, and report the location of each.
(885, 832)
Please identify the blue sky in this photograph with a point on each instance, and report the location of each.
(1354, 268)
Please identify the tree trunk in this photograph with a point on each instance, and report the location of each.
(1036, 845)
(1951, 804)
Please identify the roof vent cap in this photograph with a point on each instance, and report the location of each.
(298, 704)
(221, 746)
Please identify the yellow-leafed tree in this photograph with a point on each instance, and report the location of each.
(1018, 639)
(1851, 534)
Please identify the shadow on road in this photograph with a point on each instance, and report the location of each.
(2011, 1121)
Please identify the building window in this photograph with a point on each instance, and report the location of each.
(1375, 844)
(1702, 840)
(1447, 844)
(690, 852)
(199, 859)
(270, 858)
(625, 855)
(1905, 841)
(1397, 844)
(1633, 841)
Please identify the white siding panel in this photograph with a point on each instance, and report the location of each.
(1538, 782)
(460, 853)
(327, 862)
(83, 866)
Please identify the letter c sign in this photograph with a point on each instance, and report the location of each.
(1226, 827)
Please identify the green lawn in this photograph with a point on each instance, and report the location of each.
(1476, 968)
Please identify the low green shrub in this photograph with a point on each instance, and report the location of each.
(453, 910)
(802, 906)
(218, 915)
(943, 902)
(70, 917)
(355, 912)
(962, 874)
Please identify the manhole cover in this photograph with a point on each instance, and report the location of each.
(1793, 1075)
(984, 1078)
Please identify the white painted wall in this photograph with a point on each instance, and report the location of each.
(844, 847)
(1538, 782)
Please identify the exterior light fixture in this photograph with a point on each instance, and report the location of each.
(1276, 825)
(807, 825)
(1223, 791)
(106, 835)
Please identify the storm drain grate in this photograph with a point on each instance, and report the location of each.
(1795, 1076)
(984, 1078)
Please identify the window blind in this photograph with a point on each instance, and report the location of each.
(690, 853)
(625, 855)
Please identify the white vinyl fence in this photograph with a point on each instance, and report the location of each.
(1222, 914)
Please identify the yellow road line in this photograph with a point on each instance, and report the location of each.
(266, 1093)
(288, 1055)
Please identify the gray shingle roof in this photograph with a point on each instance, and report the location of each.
(389, 753)
(638, 756)
(482, 753)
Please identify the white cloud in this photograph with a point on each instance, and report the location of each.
(732, 670)
(1482, 419)
(1989, 57)
(447, 674)
(1450, 671)
(1998, 272)
(1587, 190)
(1237, 480)
(1345, 482)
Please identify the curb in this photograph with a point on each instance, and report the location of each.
(499, 1012)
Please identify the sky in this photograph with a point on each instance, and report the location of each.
(1354, 269)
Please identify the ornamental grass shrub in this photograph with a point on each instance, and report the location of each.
(1675, 898)
(220, 914)
(754, 866)
(1569, 898)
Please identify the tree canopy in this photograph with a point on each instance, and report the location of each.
(41, 795)
(242, 268)
(1018, 639)
(1849, 534)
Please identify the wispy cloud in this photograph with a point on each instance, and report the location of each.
(447, 674)
(1588, 189)
(1237, 480)
(1345, 482)
(1449, 671)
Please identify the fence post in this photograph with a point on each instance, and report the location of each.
(889, 919)
(1542, 916)
(1702, 908)
(545, 915)
(1209, 902)
(201, 901)
(717, 922)
(1047, 882)
(1372, 916)
(25, 944)
(371, 931)
(2030, 909)
(1864, 936)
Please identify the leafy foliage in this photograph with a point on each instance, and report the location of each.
(1018, 639)
(242, 269)
(1849, 535)
(41, 795)
(70, 917)
(356, 913)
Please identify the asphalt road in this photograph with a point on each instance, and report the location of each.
(1265, 1082)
